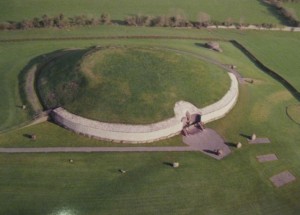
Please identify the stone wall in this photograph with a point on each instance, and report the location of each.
(151, 132)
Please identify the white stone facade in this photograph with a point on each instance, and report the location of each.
(152, 132)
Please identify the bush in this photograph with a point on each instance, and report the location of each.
(141, 20)
(105, 18)
(5, 26)
(203, 19)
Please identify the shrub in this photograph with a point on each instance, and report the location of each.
(203, 19)
(105, 18)
(5, 26)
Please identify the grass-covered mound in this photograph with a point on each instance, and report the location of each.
(129, 85)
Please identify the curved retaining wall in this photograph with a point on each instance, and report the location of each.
(151, 132)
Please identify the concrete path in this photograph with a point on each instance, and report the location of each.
(98, 149)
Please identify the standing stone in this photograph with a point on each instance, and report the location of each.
(175, 164)
(253, 137)
(23, 107)
(33, 137)
(219, 152)
(239, 145)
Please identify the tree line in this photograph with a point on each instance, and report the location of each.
(59, 21)
(177, 20)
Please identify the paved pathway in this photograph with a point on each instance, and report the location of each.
(97, 149)
(207, 141)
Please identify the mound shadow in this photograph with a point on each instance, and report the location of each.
(40, 62)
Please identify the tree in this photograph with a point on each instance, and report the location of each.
(46, 21)
(203, 19)
(105, 18)
(228, 21)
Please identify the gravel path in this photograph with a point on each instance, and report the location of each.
(97, 149)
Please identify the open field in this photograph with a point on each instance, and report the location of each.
(248, 11)
(50, 184)
(294, 113)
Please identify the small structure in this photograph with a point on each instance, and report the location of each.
(249, 80)
(23, 107)
(214, 46)
(192, 123)
(219, 152)
(239, 145)
(33, 137)
(233, 66)
(122, 171)
(175, 164)
(253, 137)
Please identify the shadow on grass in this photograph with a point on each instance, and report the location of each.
(267, 70)
(29, 136)
(41, 62)
(272, 9)
(201, 45)
(168, 164)
(230, 144)
(210, 151)
(246, 136)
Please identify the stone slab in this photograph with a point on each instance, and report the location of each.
(282, 178)
(266, 158)
(208, 142)
(261, 140)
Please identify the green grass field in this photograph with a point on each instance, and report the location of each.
(294, 113)
(50, 184)
(250, 11)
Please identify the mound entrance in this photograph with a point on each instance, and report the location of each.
(136, 85)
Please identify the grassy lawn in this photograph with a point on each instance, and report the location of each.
(63, 137)
(50, 184)
(294, 112)
(250, 11)
(278, 53)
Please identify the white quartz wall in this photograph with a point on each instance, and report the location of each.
(151, 132)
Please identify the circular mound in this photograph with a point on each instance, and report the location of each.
(129, 84)
(293, 112)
